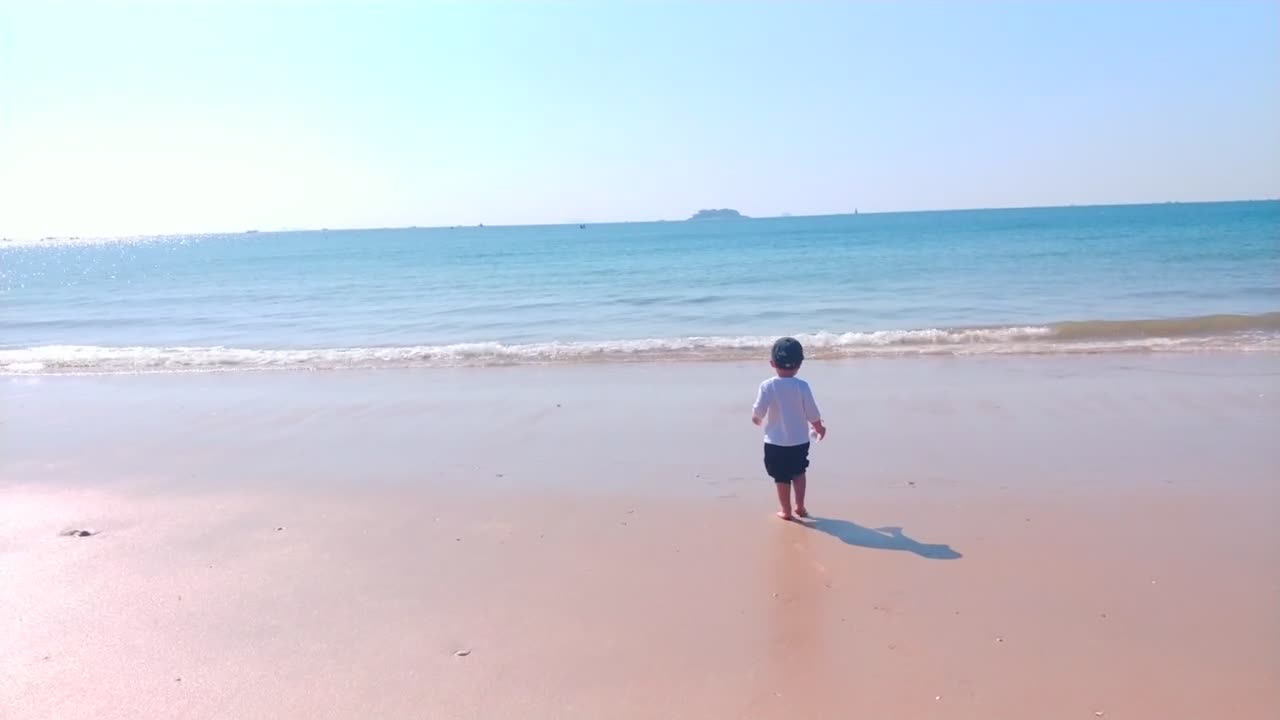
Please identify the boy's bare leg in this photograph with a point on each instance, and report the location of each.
(799, 483)
(784, 500)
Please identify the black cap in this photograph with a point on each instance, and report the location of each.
(788, 353)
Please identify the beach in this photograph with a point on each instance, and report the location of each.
(1007, 537)
(380, 361)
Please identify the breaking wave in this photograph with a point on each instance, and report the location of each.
(1206, 333)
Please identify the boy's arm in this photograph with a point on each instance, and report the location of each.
(761, 406)
(813, 414)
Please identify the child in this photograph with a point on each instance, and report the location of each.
(786, 407)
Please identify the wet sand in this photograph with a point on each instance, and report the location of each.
(1008, 538)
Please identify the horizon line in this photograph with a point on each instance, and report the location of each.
(570, 223)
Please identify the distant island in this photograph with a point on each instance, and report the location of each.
(722, 214)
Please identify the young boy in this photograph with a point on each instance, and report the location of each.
(786, 407)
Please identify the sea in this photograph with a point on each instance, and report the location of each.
(1179, 277)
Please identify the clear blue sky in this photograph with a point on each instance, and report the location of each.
(147, 117)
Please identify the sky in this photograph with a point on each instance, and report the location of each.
(175, 116)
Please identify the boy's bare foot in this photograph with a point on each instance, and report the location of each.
(785, 515)
(802, 512)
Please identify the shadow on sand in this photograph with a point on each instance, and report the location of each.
(885, 538)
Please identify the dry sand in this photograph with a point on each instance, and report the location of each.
(1020, 538)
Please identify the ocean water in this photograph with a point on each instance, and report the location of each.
(1153, 278)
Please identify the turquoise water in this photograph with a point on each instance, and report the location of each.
(943, 282)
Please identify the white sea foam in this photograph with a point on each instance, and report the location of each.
(1037, 340)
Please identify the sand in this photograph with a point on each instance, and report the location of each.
(996, 538)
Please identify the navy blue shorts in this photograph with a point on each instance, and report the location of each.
(785, 463)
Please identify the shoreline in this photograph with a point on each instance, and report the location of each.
(1204, 334)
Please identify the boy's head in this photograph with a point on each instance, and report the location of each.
(786, 357)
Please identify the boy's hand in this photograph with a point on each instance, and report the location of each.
(821, 429)
(755, 421)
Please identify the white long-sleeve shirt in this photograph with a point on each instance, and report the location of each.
(787, 407)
